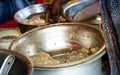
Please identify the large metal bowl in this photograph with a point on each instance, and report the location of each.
(22, 14)
(60, 36)
(21, 65)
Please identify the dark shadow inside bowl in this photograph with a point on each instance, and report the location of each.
(19, 67)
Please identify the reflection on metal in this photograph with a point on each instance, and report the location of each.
(81, 10)
(7, 64)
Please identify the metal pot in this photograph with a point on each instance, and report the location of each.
(21, 65)
(60, 36)
(22, 14)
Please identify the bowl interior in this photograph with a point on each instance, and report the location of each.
(57, 37)
(22, 14)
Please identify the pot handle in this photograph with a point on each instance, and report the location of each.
(7, 64)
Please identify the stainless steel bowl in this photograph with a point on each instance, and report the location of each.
(82, 11)
(22, 14)
(60, 36)
(21, 65)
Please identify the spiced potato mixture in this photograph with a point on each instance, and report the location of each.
(44, 58)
